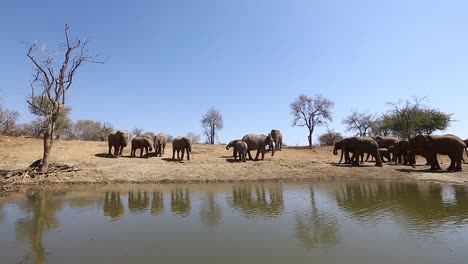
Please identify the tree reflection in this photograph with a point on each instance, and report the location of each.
(138, 201)
(253, 200)
(316, 228)
(423, 205)
(41, 209)
(113, 206)
(157, 205)
(211, 213)
(180, 201)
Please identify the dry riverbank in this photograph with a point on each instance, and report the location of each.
(209, 163)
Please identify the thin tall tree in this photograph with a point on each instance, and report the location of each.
(52, 78)
(212, 122)
(311, 112)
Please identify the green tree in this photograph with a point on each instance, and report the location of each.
(39, 106)
(411, 118)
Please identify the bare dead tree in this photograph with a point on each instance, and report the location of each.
(51, 81)
(8, 119)
(212, 121)
(311, 112)
(360, 122)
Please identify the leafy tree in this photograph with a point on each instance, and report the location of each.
(52, 80)
(409, 119)
(361, 123)
(87, 130)
(311, 113)
(212, 122)
(329, 138)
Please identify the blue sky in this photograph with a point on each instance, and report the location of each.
(170, 61)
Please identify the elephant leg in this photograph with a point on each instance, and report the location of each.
(141, 152)
(250, 156)
(188, 154)
(183, 153)
(362, 158)
(258, 153)
(367, 158)
(378, 160)
(178, 153)
(347, 158)
(234, 153)
(263, 153)
(341, 157)
(173, 153)
(110, 148)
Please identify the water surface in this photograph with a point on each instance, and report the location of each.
(334, 222)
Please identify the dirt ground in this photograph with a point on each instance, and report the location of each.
(209, 163)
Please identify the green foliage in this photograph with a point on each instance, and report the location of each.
(411, 118)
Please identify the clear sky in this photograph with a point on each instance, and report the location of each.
(170, 61)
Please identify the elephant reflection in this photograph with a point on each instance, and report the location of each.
(253, 200)
(317, 227)
(113, 206)
(424, 205)
(157, 205)
(211, 213)
(41, 209)
(180, 201)
(138, 201)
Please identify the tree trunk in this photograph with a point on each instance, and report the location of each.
(48, 142)
(309, 137)
(212, 134)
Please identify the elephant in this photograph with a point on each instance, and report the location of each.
(141, 143)
(430, 146)
(277, 138)
(240, 147)
(118, 140)
(232, 144)
(160, 141)
(385, 153)
(258, 142)
(181, 143)
(402, 153)
(340, 145)
(359, 146)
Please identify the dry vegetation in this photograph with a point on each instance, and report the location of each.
(209, 163)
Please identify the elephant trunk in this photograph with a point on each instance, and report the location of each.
(335, 151)
(272, 149)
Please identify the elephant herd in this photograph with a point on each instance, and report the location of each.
(251, 142)
(119, 140)
(404, 151)
(242, 147)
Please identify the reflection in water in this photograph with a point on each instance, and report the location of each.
(253, 201)
(180, 201)
(113, 206)
(316, 228)
(423, 205)
(138, 201)
(211, 213)
(157, 205)
(41, 209)
(80, 202)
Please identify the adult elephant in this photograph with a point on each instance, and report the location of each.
(277, 138)
(118, 140)
(340, 145)
(181, 144)
(430, 146)
(141, 143)
(160, 141)
(258, 142)
(359, 146)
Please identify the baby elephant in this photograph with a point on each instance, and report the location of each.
(385, 153)
(239, 147)
(141, 143)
